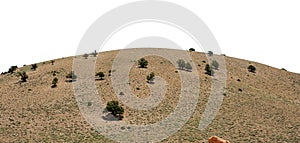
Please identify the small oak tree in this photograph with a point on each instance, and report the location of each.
(191, 49)
(115, 109)
(85, 56)
(210, 53)
(54, 82)
(181, 64)
(101, 75)
(188, 66)
(143, 62)
(251, 68)
(23, 76)
(34, 66)
(215, 64)
(150, 77)
(208, 70)
(71, 76)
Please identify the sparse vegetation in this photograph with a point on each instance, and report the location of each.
(150, 77)
(192, 50)
(115, 109)
(251, 68)
(52, 62)
(23, 76)
(142, 63)
(54, 82)
(33, 111)
(34, 67)
(209, 70)
(101, 75)
(181, 64)
(215, 64)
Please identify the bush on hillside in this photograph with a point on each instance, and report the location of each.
(23, 76)
(192, 50)
(215, 64)
(54, 82)
(115, 109)
(71, 76)
(210, 53)
(34, 67)
(181, 64)
(142, 63)
(209, 70)
(251, 68)
(101, 75)
(150, 77)
(188, 66)
(12, 69)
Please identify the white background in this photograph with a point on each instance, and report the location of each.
(263, 31)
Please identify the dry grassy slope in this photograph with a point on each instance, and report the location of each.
(266, 110)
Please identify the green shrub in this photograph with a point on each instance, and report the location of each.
(191, 49)
(215, 64)
(12, 69)
(71, 76)
(251, 68)
(34, 67)
(115, 109)
(89, 104)
(101, 75)
(94, 53)
(188, 66)
(23, 76)
(85, 56)
(210, 53)
(181, 64)
(143, 62)
(209, 70)
(150, 77)
(54, 82)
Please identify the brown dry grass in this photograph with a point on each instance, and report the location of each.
(266, 110)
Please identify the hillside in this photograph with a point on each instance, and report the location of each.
(258, 107)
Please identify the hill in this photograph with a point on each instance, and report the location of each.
(257, 107)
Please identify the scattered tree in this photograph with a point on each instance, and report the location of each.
(215, 64)
(23, 76)
(143, 62)
(85, 56)
(181, 63)
(188, 66)
(208, 70)
(71, 76)
(101, 75)
(52, 62)
(210, 53)
(54, 82)
(115, 109)
(12, 69)
(192, 50)
(34, 66)
(150, 77)
(251, 68)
